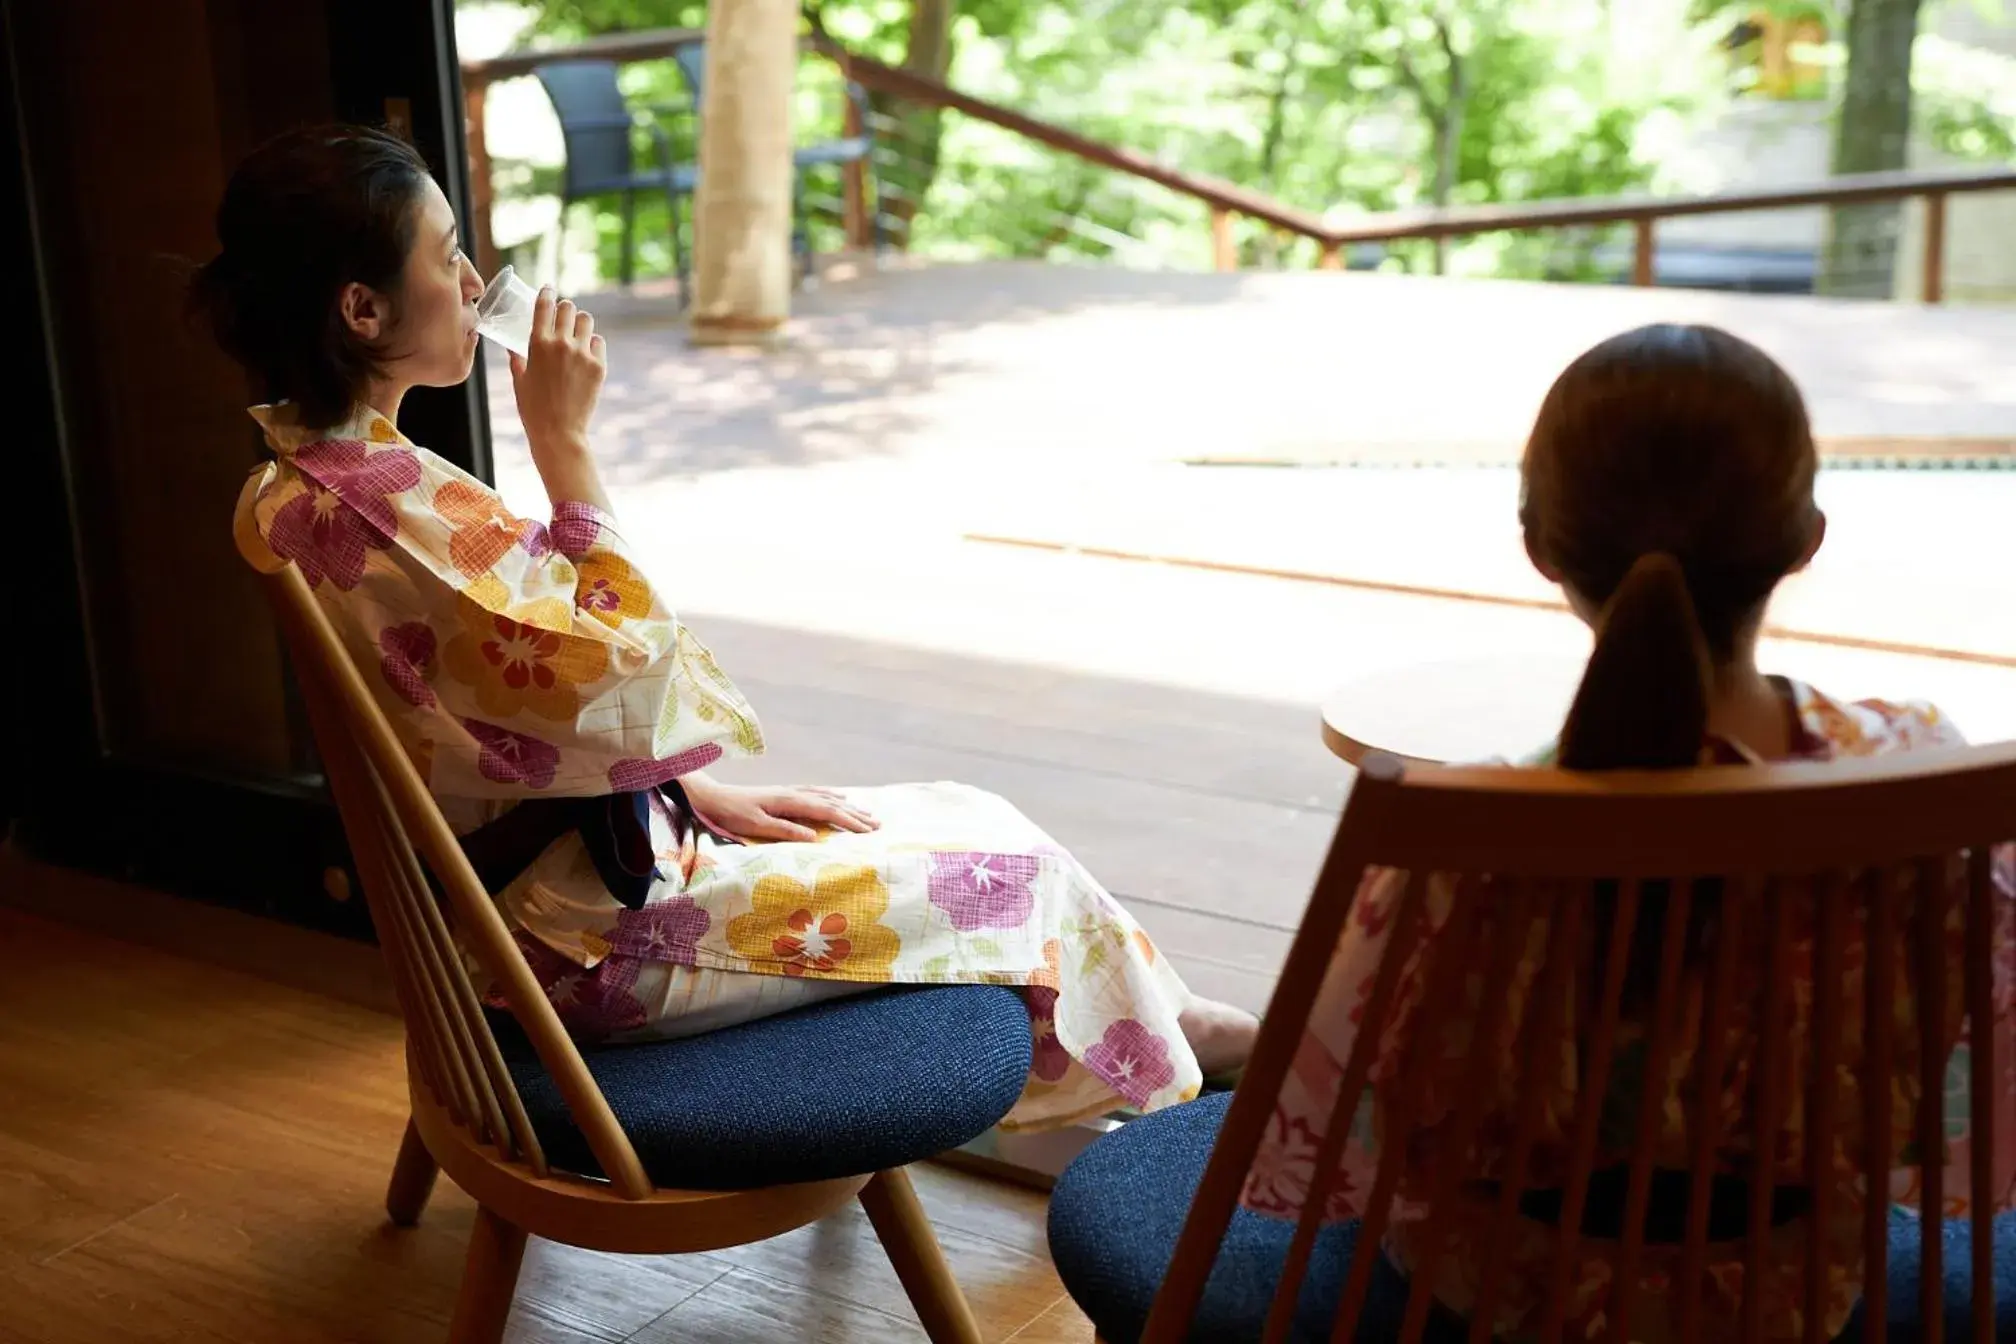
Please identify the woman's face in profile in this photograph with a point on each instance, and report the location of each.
(434, 342)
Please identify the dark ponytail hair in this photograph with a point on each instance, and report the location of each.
(303, 216)
(1643, 702)
(1669, 479)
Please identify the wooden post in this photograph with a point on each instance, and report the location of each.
(1645, 254)
(483, 245)
(1224, 249)
(1934, 286)
(859, 229)
(1329, 257)
(742, 210)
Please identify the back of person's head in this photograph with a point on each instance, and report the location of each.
(305, 215)
(1668, 486)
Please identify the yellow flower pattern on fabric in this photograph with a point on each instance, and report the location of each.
(547, 613)
(610, 590)
(828, 929)
(490, 594)
(719, 699)
(518, 668)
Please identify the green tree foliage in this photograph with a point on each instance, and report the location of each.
(1334, 106)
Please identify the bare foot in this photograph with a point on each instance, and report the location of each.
(1220, 1035)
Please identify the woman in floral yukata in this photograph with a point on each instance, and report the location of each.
(1668, 488)
(565, 717)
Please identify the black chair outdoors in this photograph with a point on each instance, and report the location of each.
(597, 127)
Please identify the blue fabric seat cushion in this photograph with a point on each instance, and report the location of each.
(1117, 1211)
(841, 1088)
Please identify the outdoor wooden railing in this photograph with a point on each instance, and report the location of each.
(1643, 213)
(1226, 199)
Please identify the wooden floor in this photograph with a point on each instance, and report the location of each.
(193, 1154)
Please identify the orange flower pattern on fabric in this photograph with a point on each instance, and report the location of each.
(483, 531)
(827, 929)
(610, 590)
(515, 668)
(1049, 977)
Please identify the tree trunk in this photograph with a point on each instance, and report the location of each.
(742, 209)
(1270, 244)
(1448, 132)
(1871, 134)
(927, 50)
(1448, 152)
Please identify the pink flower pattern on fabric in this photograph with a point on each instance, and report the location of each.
(343, 515)
(1283, 1169)
(599, 1004)
(629, 776)
(549, 968)
(1049, 1060)
(663, 931)
(513, 758)
(576, 528)
(1132, 1060)
(985, 891)
(407, 661)
(593, 1002)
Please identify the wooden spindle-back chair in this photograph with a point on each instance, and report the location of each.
(1861, 840)
(468, 1117)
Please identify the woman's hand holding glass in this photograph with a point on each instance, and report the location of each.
(558, 383)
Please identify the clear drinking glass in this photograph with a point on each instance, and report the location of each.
(504, 312)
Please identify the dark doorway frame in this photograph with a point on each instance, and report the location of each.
(267, 843)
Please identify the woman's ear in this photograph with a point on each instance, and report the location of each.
(364, 311)
(1817, 535)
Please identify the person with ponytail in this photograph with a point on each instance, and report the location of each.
(1667, 487)
(566, 718)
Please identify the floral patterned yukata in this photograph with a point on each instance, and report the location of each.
(521, 660)
(1283, 1168)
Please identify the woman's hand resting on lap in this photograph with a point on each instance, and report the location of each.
(763, 812)
(557, 388)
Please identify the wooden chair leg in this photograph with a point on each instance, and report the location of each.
(496, 1248)
(912, 1247)
(412, 1179)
